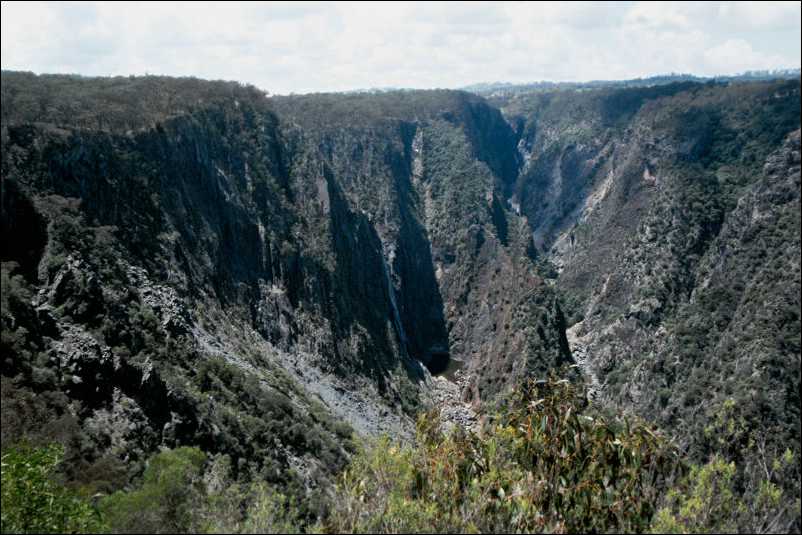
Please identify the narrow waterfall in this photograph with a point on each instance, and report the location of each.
(399, 327)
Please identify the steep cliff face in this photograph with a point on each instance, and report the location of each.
(504, 323)
(170, 283)
(189, 262)
(184, 265)
(431, 170)
(653, 205)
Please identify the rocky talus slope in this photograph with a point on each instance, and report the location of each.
(446, 395)
(193, 263)
(671, 218)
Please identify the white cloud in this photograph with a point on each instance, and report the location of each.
(661, 16)
(313, 46)
(737, 55)
(760, 15)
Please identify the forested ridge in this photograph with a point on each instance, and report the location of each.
(224, 311)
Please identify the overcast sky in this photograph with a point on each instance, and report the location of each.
(301, 47)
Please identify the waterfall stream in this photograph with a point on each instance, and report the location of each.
(399, 327)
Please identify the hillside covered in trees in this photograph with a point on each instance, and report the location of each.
(229, 312)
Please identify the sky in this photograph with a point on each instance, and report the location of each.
(301, 47)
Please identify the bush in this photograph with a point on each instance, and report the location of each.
(271, 512)
(542, 466)
(709, 500)
(34, 502)
(169, 499)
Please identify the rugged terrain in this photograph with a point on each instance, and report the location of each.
(195, 263)
(218, 256)
(671, 215)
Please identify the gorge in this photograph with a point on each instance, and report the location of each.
(274, 279)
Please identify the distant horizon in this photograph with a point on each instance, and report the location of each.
(307, 47)
(472, 87)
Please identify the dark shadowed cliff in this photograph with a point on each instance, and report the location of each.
(192, 263)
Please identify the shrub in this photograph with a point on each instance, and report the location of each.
(168, 500)
(34, 502)
(710, 500)
(542, 465)
(271, 512)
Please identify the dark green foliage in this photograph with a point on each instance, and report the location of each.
(19, 344)
(134, 332)
(115, 104)
(125, 177)
(176, 256)
(257, 418)
(711, 500)
(458, 184)
(618, 107)
(731, 371)
(684, 268)
(185, 491)
(543, 464)
(500, 91)
(34, 501)
(324, 110)
(168, 500)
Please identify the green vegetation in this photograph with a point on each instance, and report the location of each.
(546, 462)
(686, 271)
(167, 501)
(119, 103)
(181, 491)
(543, 464)
(33, 501)
(709, 501)
(172, 247)
(326, 110)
